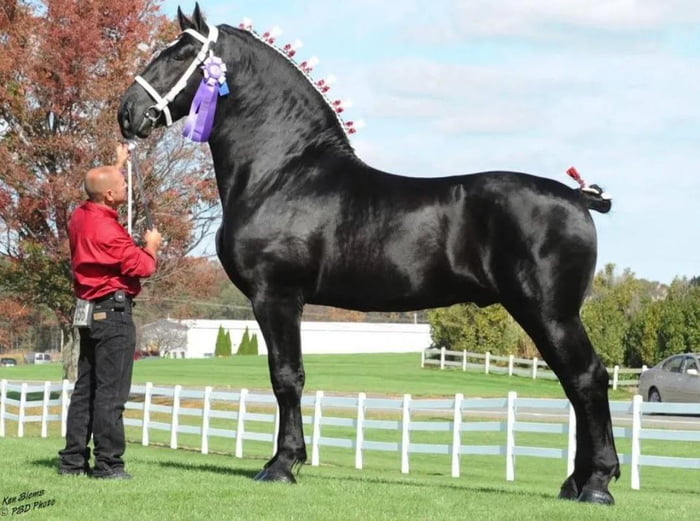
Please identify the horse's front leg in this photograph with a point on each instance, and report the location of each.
(279, 317)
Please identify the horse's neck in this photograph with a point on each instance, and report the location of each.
(273, 124)
(249, 165)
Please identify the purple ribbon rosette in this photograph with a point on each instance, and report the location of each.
(201, 117)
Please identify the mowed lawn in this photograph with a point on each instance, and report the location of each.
(393, 374)
(182, 485)
(187, 485)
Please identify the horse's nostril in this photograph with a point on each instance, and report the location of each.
(126, 118)
(125, 121)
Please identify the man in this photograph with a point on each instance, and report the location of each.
(107, 266)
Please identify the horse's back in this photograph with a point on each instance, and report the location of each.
(407, 243)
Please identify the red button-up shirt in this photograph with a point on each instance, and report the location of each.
(104, 257)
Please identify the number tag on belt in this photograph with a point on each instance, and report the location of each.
(83, 313)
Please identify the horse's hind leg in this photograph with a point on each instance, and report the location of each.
(279, 319)
(565, 346)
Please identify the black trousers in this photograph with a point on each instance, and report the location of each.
(101, 391)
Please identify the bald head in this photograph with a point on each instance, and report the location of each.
(105, 185)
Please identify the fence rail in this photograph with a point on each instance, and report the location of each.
(512, 365)
(453, 417)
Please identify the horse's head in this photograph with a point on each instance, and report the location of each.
(163, 92)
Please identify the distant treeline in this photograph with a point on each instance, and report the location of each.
(630, 321)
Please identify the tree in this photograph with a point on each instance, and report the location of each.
(223, 343)
(609, 310)
(249, 344)
(468, 327)
(642, 338)
(63, 67)
(244, 346)
(679, 328)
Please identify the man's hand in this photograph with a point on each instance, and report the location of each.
(153, 240)
(122, 152)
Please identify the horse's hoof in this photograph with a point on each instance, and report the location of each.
(569, 490)
(599, 497)
(275, 475)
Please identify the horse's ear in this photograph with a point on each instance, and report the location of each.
(185, 23)
(198, 18)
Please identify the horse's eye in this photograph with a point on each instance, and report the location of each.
(181, 54)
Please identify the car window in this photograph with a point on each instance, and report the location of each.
(689, 363)
(673, 365)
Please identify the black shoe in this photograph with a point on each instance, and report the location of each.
(111, 474)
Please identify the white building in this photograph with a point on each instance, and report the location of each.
(197, 338)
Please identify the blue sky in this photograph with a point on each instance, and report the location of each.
(455, 86)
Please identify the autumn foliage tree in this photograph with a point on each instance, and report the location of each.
(63, 67)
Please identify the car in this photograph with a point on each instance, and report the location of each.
(38, 358)
(8, 362)
(675, 379)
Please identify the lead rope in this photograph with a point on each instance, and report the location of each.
(132, 166)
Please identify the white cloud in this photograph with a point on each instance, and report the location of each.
(525, 17)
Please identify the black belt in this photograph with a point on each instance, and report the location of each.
(116, 301)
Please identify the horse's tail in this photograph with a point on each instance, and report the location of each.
(596, 198)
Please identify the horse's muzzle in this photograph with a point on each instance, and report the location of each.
(133, 125)
(125, 121)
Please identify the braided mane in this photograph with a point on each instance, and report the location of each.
(288, 51)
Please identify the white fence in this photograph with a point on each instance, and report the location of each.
(453, 417)
(511, 365)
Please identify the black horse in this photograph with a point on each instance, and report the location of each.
(306, 221)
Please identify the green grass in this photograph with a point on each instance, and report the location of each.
(188, 486)
(375, 373)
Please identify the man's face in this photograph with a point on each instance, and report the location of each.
(117, 193)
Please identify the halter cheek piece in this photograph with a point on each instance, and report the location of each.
(161, 103)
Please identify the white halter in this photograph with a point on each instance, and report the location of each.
(162, 103)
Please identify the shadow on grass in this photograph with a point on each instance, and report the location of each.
(461, 486)
(52, 463)
(216, 469)
(49, 463)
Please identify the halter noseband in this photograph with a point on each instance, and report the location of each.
(161, 105)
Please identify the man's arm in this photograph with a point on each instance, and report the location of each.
(122, 155)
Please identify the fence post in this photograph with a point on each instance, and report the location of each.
(360, 432)
(22, 405)
(316, 434)
(464, 360)
(510, 436)
(645, 368)
(206, 408)
(65, 402)
(534, 368)
(616, 377)
(45, 410)
(636, 436)
(442, 358)
(571, 452)
(3, 398)
(146, 413)
(240, 428)
(457, 434)
(487, 362)
(405, 438)
(511, 359)
(175, 422)
(422, 358)
(277, 428)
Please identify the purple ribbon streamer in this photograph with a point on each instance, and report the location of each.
(201, 117)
